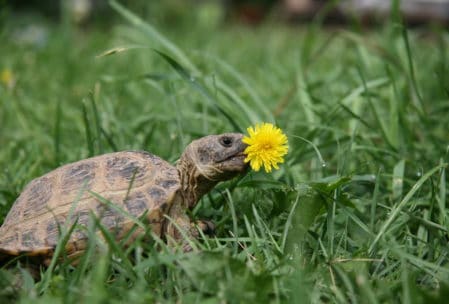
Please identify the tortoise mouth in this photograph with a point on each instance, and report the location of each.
(233, 164)
(235, 157)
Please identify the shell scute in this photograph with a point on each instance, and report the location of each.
(77, 176)
(29, 239)
(167, 183)
(109, 216)
(136, 204)
(82, 217)
(10, 241)
(121, 171)
(52, 233)
(157, 195)
(38, 193)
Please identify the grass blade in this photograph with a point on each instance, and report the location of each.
(89, 139)
(396, 210)
(234, 221)
(153, 33)
(97, 122)
(200, 88)
(57, 132)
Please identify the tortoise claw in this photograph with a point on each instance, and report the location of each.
(207, 227)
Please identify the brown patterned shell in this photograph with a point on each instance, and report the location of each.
(133, 181)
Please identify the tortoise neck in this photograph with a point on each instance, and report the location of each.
(193, 184)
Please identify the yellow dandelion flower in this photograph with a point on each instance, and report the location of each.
(7, 78)
(266, 146)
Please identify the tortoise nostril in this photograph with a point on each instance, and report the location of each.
(226, 141)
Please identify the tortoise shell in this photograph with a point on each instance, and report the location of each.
(136, 182)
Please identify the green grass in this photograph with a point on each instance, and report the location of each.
(356, 214)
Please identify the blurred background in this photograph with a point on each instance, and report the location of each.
(246, 11)
(52, 51)
(359, 86)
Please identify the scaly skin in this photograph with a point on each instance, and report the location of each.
(204, 163)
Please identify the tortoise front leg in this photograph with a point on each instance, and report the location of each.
(179, 231)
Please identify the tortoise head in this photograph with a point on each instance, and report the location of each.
(209, 160)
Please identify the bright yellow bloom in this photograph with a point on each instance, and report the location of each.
(266, 146)
(7, 78)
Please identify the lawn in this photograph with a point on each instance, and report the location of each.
(356, 214)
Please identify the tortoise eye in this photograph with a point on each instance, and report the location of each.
(226, 141)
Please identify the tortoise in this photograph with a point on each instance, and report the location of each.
(117, 188)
